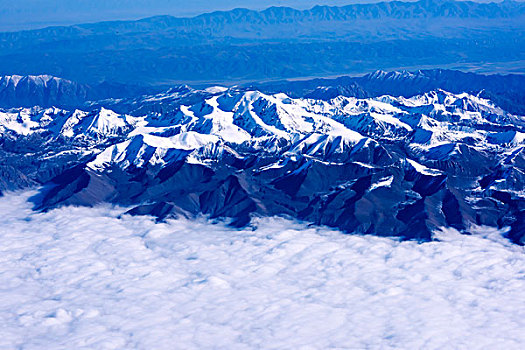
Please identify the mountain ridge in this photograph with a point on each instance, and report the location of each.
(50, 91)
(276, 14)
(504, 90)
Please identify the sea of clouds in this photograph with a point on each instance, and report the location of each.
(86, 278)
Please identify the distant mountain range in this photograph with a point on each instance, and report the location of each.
(244, 45)
(61, 11)
(506, 90)
(48, 91)
(45, 91)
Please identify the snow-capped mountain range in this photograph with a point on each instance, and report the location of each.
(392, 166)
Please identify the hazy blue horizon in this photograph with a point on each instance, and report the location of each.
(35, 14)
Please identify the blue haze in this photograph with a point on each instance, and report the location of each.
(33, 14)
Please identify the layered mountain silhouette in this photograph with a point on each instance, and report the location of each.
(46, 91)
(245, 45)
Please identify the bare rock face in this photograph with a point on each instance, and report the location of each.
(391, 166)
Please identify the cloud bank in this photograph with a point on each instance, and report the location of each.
(84, 278)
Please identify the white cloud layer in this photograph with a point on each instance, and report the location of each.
(79, 278)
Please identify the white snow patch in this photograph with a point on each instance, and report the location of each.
(189, 140)
(420, 168)
(384, 182)
(216, 89)
(79, 278)
(389, 119)
(21, 122)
